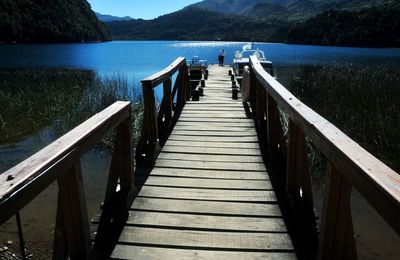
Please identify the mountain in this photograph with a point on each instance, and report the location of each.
(50, 21)
(193, 23)
(375, 26)
(368, 27)
(284, 9)
(109, 18)
(235, 6)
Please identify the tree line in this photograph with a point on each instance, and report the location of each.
(49, 21)
(368, 27)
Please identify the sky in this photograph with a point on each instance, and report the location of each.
(145, 9)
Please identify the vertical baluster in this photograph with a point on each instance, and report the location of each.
(299, 188)
(276, 139)
(181, 81)
(117, 200)
(187, 85)
(337, 235)
(252, 96)
(73, 213)
(165, 113)
(261, 109)
(149, 142)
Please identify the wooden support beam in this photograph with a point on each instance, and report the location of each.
(165, 112)
(119, 193)
(74, 213)
(299, 190)
(276, 139)
(337, 235)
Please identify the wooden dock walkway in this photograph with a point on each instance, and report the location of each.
(209, 194)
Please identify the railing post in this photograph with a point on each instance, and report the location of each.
(72, 219)
(187, 86)
(260, 106)
(252, 96)
(299, 188)
(180, 85)
(165, 113)
(149, 142)
(119, 196)
(337, 235)
(275, 137)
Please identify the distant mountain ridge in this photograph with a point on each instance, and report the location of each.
(284, 9)
(110, 18)
(50, 21)
(267, 21)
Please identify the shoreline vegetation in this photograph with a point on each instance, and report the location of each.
(33, 99)
(362, 101)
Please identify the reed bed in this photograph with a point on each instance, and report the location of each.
(361, 101)
(32, 99)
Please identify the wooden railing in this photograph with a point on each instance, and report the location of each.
(60, 161)
(348, 165)
(156, 126)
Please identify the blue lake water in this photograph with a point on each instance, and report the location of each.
(142, 58)
(136, 60)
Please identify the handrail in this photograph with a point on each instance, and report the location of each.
(61, 161)
(163, 75)
(156, 126)
(379, 184)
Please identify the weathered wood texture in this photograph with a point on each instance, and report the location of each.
(209, 194)
(60, 161)
(157, 125)
(349, 164)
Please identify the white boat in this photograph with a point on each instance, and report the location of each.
(242, 58)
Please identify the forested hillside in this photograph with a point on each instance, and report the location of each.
(49, 21)
(199, 24)
(285, 9)
(370, 27)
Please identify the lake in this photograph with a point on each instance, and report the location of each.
(136, 60)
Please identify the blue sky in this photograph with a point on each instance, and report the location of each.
(146, 9)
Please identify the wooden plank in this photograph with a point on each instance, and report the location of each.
(208, 194)
(206, 207)
(208, 183)
(207, 127)
(211, 119)
(209, 174)
(141, 252)
(227, 124)
(213, 144)
(206, 240)
(212, 133)
(205, 222)
(213, 150)
(214, 115)
(211, 165)
(213, 108)
(229, 139)
(210, 158)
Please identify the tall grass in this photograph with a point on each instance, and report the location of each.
(362, 101)
(32, 99)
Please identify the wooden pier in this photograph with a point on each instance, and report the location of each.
(209, 194)
(219, 179)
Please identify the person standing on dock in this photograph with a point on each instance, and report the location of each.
(221, 57)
